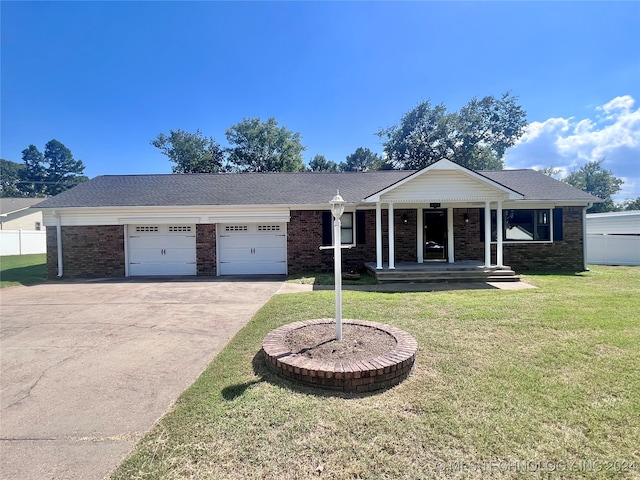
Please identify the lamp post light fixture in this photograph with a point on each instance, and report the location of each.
(337, 209)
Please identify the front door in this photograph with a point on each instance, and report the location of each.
(435, 235)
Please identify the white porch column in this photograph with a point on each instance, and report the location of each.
(450, 239)
(392, 234)
(487, 234)
(420, 236)
(378, 236)
(499, 260)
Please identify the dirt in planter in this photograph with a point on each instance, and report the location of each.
(358, 342)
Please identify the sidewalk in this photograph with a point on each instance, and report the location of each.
(408, 287)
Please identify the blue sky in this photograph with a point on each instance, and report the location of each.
(105, 78)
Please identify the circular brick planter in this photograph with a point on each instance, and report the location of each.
(368, 375)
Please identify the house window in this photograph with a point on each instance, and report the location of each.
(38, 226)
(347, 228)
(525, 225)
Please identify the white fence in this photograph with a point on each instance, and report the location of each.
(613, 249)
(22, 242)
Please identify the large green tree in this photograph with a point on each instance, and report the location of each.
(10, 179)
(362, 160)
(190, 152)
(63, 171)
(256, 146)
(594, 179)
(50, 173)
(319, 163)
(476, 137)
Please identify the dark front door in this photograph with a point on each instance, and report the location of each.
(435, 234)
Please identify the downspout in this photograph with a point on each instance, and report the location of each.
(59, 243)
(584, 236)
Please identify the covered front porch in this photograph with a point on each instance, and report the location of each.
(441, 217)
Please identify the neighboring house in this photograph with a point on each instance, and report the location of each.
(21, 227)
(613, 238)
(274, 223)
(16, 214)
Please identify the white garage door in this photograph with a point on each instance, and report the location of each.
(252, 249)
(162, 250)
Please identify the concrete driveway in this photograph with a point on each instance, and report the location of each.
(88, 368)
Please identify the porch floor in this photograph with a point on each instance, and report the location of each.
(441, 271)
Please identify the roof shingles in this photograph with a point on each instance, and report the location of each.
(309, 188)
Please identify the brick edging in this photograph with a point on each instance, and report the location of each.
(376, 373)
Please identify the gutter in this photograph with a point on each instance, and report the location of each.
(59, 243)
(584, 235)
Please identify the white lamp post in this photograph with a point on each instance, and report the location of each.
(337, 209)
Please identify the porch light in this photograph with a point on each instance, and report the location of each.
(466, 218)
(337, 209)
(405, 219)
(337, 206)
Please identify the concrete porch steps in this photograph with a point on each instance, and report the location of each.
(442, 273)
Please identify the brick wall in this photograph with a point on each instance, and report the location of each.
(87, 251)
(304, 236)
(206, 249)
(564, 255)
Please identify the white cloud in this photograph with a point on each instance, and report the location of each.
(613, 134)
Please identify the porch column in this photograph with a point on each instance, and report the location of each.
(499, 260)
(487, 234)
(450, 233)
(392, 246)
(378, 236)
(420, 236)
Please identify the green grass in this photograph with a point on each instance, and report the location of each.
(506, 382)
(22, 269)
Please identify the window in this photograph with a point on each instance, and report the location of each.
(38, 226)
(347, 223)
(347, 228)
(524, 225)
(527, 225)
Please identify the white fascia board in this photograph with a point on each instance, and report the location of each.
(448, 165)
(162, 215)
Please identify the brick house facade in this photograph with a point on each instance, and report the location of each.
(219, 224)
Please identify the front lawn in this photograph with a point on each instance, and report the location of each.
(22, 269)
(534, 382)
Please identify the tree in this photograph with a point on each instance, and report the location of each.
(551, 171)
(320, 164)
(257, 146)
(51, 173)
(10, 178)
(362, 160)
(594, 179)
(34, 173)
(191, 152)
(630, 204)
(476, 137)
(63, 171)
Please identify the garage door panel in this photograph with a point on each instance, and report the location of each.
(253, 268)
(147, 268)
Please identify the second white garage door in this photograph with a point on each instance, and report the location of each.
(252, 249)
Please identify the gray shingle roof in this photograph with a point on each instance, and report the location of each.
(275, 188)
(13, 204)
(538, 186)
(223, 189)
